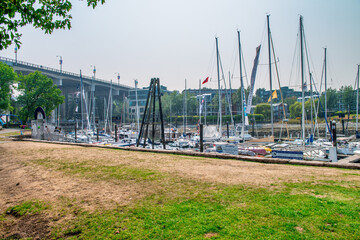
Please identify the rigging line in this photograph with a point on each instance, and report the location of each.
(226, 92)
(331, 69)
(293, 61)
(243, 63)
(278, 78)
(232, 59)
(308, 53)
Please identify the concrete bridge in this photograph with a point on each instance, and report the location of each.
(69, 84)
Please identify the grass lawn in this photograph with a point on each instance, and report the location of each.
(181, 208)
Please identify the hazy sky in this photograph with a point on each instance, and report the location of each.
(175, 40)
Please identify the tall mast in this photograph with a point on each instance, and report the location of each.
(81, 101)
(357, 99)
(270, 75)
(326, 130)
(137, 105)
(311, 105)
(185, 110)
(302, 80)
(242, 90)
(200, 98)
(218, 73)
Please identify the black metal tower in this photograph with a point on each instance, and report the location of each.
(150, 116)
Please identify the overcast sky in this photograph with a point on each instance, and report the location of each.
(175, 40)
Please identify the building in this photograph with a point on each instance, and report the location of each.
(142, 95)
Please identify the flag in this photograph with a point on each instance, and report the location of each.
(206, 80)
(274, 95)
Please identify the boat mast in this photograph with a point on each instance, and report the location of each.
(302, 81)
(326, 130)
(311, 106)
(218, 73)
(357, 99)
(137, 105)
(81, 101)
(93, 99)
(271, 91)
(242, 90)
(185, 110)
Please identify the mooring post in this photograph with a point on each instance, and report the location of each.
(116, 133)
(97, 134)
(343, 125)
(75, 133)
(227, 129)
(201, 138)
(333, 128)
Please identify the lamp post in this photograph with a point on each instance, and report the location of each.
(16, 49)
(58, 112)
(118, 77)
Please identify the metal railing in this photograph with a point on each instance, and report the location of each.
(41, 67)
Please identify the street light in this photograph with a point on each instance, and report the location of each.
(16, 54)
(60, 62)
(118, 77)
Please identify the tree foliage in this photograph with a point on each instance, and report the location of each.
(175, 101)
(44, 14)
(264, 109)
(37, 91)
(7, 78)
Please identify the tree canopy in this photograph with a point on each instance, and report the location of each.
(44, 14)
(7, 78)
(37, 91)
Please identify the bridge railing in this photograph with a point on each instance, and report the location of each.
(18, 62)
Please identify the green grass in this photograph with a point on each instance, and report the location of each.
(15, 133)
(179, 208)
(88, 170)
(229, 213)
(27, 208)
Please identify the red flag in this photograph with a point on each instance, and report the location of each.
(206, 80)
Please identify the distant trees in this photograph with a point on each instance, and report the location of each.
(264, 109)
(7, 78)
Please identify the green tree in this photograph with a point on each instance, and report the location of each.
(348, 96)
(295, 110)
(332, 99)
(37, 91)
(264, 109)
(7, 78)
(44, 14)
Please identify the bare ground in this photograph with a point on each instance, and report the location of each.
(22, 179)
